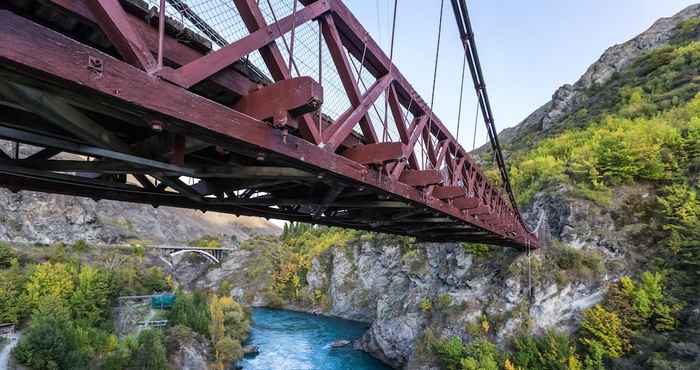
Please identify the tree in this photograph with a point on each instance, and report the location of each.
(481, 354)
(50, 282)
(191, 310)
(12, 305)
(92, 298)
(236, 319)
(227, 327)
(227, 350)
(603, 328)
(450, 352)
(150, 354)
(6, 255)
(50, 343)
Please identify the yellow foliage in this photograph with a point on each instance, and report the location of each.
(573, 363)
(50, 282)
(485, 326)
(605, 328)
(508, 365)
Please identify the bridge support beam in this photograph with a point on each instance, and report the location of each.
(236, 140)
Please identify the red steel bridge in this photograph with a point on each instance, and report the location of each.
(281, 109)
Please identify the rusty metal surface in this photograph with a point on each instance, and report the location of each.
(184, 148)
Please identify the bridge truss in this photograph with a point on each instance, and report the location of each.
(229, 106)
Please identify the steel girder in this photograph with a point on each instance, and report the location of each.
(452, 185)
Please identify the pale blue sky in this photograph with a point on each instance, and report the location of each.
(527, 48)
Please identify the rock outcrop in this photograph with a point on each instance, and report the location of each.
(191, 352)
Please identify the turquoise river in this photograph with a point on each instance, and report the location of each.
(297, 341)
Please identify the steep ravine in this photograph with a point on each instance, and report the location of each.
(384, 280)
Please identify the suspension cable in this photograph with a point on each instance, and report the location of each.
(476, 125)
(291, 42)
(437, 58)
(320, 79)
(391, 66)
(362, 61)
(461, 94)
(364, 85)
(467, 36)
(529, 272)
(284, 41)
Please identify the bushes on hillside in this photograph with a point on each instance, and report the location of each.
(51, 342)
(651, 131)
(191, 310)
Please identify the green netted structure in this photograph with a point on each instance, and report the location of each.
(163, 301)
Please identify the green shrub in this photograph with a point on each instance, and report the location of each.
(477, 249)
(50, 342)
(81, 246)
(207, 242)
(138, 250)
(150, 353)
(553, 351)
(602, 329)
(450, 352)
(191, 310)
(7, 254)
(444, 301)
(426, 305)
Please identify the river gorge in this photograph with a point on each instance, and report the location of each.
(295, 340)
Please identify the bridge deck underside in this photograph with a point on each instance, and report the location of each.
(89, 119)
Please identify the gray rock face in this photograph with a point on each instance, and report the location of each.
(387, 288)
(192, 354)
(30, 217)
(569, 97)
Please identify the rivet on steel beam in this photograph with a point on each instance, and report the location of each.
(95, 66)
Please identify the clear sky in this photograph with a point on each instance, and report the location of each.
(527, 48)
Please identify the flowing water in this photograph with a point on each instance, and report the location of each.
(297, 341)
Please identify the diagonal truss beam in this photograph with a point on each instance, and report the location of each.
(347, 78)
(114, 23)
(340, 130)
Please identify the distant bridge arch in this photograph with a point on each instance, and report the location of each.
(207, 255)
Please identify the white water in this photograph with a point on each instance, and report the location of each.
(5, 353)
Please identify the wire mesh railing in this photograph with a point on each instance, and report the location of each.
(219, 22)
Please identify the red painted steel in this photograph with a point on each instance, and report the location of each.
(294, 96)
(114, 22)
(450, 183)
